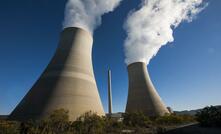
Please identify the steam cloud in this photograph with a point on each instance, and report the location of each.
(151, 27)
(87, 14)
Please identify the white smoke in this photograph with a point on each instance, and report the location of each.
(87, 14)
(151, 27)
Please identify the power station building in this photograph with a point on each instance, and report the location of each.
(142, 96)
(68, 82)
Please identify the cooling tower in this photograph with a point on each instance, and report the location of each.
(142, 96)
(68, 81)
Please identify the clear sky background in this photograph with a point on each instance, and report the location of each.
(186, 73)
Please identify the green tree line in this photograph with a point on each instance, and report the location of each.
(90, 123)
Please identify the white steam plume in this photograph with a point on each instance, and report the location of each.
(151, 27)
(87, 14)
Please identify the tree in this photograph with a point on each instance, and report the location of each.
(89, 123)
(137, 119)
(9, 127)
(209, 116)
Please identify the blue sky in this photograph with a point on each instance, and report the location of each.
(186, 73)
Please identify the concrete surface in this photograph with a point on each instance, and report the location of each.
(142, 96)
(68, 81)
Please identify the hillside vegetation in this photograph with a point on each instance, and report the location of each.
(90, 123)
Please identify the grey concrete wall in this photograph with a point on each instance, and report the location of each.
(142, 96)
(68, 81)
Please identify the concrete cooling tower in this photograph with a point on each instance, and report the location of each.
(68, 81)
(142, 96)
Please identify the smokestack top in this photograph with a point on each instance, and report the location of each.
(137, 64)
(76, 29)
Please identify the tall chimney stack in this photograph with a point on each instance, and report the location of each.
(68, 81)
(109, 93)
(142, 96)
